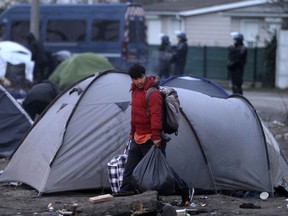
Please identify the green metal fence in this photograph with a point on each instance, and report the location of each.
(210, 62)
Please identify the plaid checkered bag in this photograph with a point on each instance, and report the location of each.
(116, 170)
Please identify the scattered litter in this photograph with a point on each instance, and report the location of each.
(69, 209)
(64, 212)
(182, 212)
(203, 204)
(15, 183)
(264, 195)
(278, 123)
(193, 205)
(188, 212)
(50, 207)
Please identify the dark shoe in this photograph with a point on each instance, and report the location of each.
(185, 195)
(124, 193)
(183, 203)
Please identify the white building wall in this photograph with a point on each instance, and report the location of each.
(281, 79)
(208, 29)
(173, 25)
(153, 31)
(157, 25)
(213, 29)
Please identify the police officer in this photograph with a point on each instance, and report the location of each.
(237, 54)
(180, 55)
(165, 55)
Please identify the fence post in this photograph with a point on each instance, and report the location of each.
(205, 61)
(255, 67)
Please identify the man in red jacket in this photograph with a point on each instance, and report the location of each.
(145, 129)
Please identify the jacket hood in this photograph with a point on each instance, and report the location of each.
(151, 81)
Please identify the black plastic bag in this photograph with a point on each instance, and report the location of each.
(154, 173)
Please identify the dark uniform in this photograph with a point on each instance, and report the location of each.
(181, 51)
(39, 56)
(165, 55)
(237, 55)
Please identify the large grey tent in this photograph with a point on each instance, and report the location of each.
(69, 147)
(14, 123)
(216, 147)
(211, 89)
(232, 150)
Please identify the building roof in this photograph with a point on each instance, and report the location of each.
(194, 7)
(272, 10)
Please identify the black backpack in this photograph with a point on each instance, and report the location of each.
(171, 108)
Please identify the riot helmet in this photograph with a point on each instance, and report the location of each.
(237, 36)
(165, 39)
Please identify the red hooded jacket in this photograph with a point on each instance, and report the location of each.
(141, 123)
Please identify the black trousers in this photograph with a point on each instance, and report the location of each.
(237, 80)
(135, 154)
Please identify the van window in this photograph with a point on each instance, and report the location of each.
(66, 30)
(105, 30)
(19, 29)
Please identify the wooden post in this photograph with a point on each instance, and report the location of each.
(34, 18)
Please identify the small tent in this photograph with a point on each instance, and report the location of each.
(77, 67)
(14, 123)
(88, 124)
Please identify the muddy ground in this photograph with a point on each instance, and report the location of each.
(23, 200)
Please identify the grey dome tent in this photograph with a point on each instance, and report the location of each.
(14, 123)
(228, 146)
(69, 146)
(211, 89)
